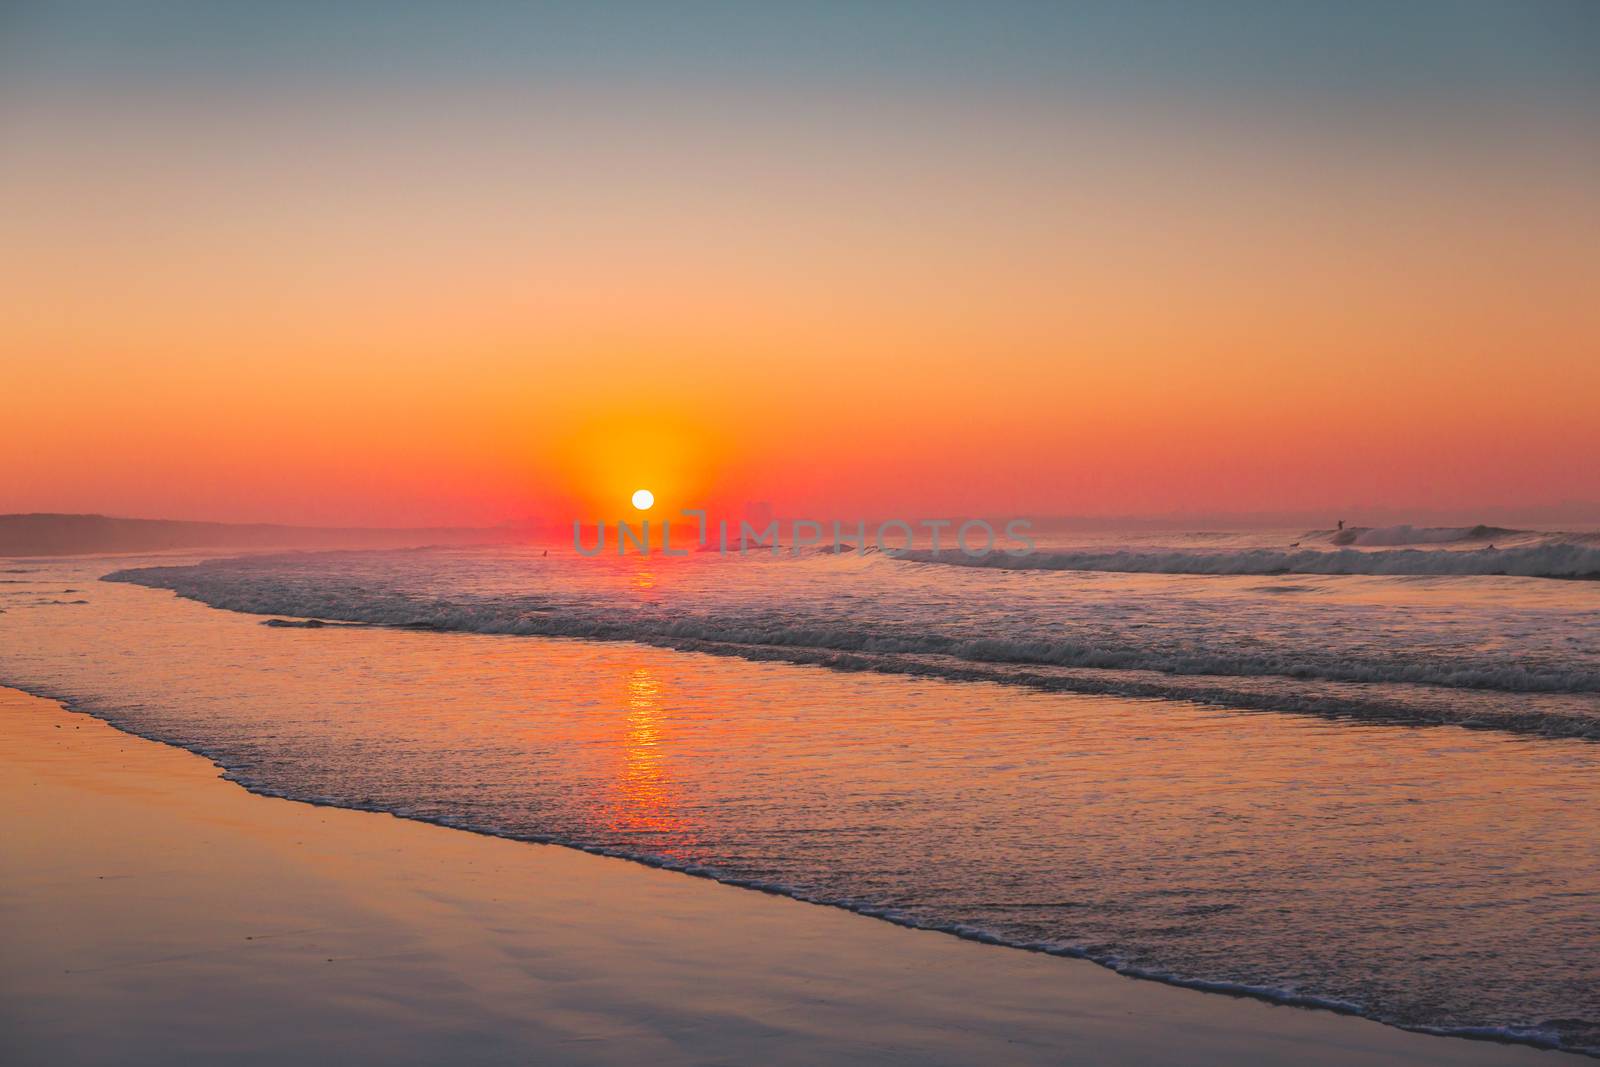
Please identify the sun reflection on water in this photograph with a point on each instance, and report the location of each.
(647, 799)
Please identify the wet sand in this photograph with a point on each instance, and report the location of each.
(151, 912)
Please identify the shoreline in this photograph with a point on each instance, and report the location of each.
(192, 918)
(1265, 996)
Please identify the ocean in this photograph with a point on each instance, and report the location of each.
(1348, 768)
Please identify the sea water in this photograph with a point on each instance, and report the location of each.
(1354, 770)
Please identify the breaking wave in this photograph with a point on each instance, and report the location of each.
(1417, 535)
(1560, 559)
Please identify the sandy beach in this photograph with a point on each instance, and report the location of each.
(151, 912)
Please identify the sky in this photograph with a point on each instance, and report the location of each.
(451, 264)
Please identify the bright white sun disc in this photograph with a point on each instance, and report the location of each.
(643, 499)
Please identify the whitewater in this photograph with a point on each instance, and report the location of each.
(1438, 635)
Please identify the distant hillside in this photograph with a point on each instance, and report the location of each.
(67, 535)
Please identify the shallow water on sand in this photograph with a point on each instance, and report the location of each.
(1432, 877)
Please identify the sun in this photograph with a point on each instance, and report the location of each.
(643, 499)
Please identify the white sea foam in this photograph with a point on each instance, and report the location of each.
(890, 616)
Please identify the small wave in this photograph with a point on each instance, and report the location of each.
(305, 624)
(1555, 560)
(1405, 534)
(1447, 691)
(243, 775)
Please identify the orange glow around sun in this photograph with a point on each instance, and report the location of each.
(626, 466)
(1087, 309)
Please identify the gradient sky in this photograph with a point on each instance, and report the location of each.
(464, 263)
